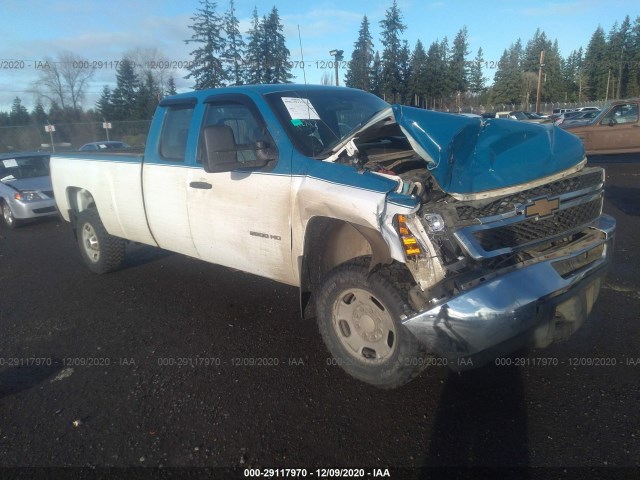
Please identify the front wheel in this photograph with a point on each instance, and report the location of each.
(100, 251)
(7, 215)
(359, 317)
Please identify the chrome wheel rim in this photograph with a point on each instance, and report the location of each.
(90, 242)
(364, 326)
(6, 214)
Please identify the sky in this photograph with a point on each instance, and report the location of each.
(103, 31)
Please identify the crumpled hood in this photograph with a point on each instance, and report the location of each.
(468, 155)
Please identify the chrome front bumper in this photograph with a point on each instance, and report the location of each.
(531, 305)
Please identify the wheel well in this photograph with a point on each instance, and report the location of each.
(79, 199)
(329, 243)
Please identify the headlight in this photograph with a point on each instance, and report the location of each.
(27, 196)
(435, 222)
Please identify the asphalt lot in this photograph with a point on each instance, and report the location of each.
(173, 362)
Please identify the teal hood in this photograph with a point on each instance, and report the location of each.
(470, 155)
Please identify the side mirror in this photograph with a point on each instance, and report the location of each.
(219, 149)
(222, 154)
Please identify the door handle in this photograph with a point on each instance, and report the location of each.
(201, 185)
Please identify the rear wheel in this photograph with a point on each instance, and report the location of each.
(100, 251)
(359, 317)
(7, 216)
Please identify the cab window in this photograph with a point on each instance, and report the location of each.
(175, 130)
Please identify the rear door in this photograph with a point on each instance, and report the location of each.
(242, 218)
(165, 175)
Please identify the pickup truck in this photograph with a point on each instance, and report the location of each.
(416, 235)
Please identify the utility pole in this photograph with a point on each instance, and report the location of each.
(606, 97)
(539, 93)
(580, 88)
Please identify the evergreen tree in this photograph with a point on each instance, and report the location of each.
(19, 115)
(554, 86)
(476, 77)
(596, 65)
(38, 115)
(571, 75)
(104, 105)
(207, 69)
(404, 65)
(619, 48)
(234, 51)
(633, 87)
(392, 27)
(275, 52)
(446, 85)
(434, 74)
(376, 75)
(254, 65)
(418, 82)
(458, 71)
(359, 69)
(171, 86)
(4, 119)
(124, 96)
(147, 98)
(508, 84)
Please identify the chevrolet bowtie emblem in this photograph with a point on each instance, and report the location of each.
(541, 208)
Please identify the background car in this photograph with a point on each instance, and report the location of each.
(520, 115)
(582, 118)
(587, 109)
(566, 116)
(25, 187)
(560, 111)
(616, 129)
(105, 145)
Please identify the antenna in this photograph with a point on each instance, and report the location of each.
(304, 72)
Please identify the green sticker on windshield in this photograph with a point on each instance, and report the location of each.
(296, 122)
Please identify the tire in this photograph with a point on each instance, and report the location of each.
(359, 317)
(7, 216)
(101, 252)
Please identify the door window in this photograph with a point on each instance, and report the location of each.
(249, 133)
(175, 131)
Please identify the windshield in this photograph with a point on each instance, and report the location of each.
(317, 119)
(24, 167)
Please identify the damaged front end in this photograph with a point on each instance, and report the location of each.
(499, 222)
(521, 270)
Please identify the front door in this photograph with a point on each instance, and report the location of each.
(242, 218)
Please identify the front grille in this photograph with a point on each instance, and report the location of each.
(509, 203)
(531, 231)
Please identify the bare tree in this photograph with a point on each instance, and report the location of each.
(150, 61)
(64, 81)
(50, 84)
(76, 76)
(327, 78)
